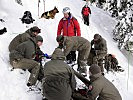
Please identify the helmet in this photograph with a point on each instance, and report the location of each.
(60, 38)
(66, 10)
(39, 38)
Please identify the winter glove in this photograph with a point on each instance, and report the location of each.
(60, 46)
(47, 56)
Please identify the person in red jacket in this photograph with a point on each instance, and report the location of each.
(86, 11)
(69, 26)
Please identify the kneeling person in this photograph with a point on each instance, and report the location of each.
(22, 57)
(101, 86)
(59, 79)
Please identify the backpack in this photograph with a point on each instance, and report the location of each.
(86, 11)
(27, 17)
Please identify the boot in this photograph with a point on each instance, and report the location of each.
(83, 71)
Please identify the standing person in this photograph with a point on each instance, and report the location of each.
(69, 26)
(86, 11)
(98, 52)
(23, 58)
(30, 33)
(59, 79)
(76, 43)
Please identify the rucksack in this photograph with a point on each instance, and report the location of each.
(86, 11)
(27, 18)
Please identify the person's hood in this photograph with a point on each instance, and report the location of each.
(58, 54)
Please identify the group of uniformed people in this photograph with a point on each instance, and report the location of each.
(57, 77)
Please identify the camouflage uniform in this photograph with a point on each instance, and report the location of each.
(22, 57)
(80, 44)
(101, 87)
(59, 79)
(98, 53)
(22, 38)
(111, 62)
(104, 88)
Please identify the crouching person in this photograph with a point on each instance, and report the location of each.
(76, 43)
(22, 57)
(59, 79)
(99, 51)
(101, 87)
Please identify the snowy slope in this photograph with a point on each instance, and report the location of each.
(13, 84)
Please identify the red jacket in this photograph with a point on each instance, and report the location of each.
(86, 11)
(69, 27)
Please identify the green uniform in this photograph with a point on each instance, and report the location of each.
(100, 48)
(22, 57)
(79, 44)
(20, 39)
(59, 79)
(103, 88)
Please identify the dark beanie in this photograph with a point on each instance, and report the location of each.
(97, 36)
(94, 69)
(39, 38)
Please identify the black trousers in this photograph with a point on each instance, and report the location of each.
(86, 20)
(71, 56)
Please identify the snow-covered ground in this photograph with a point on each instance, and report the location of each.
(13, 84)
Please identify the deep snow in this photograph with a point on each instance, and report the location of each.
(13, 84)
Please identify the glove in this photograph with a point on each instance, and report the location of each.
(60, 46)
(47, 56)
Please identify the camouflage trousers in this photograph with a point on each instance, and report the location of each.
(29, 64)
(82, 59)
(96, 59)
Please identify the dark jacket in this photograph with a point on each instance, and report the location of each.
(58, 68)
(20, 39)
(58, 78)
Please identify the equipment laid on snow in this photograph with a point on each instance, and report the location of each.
(27, 18)
(111, 64)
(2, 20)
(2, 31)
